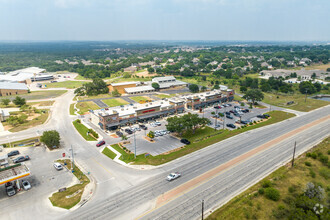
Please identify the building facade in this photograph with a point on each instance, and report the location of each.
(9, 88)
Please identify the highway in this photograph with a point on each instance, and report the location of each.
(126, 193)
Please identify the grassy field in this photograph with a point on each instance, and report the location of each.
(106, 151)
(290, 182)
(60, 199)
(299, 102)
(30, 123)
(200, 133)
(140, 98)
(114, 102)
(65, 84)
(82, 129)
(46, 94)
(126, 157)
(71, 109)
(238, 98)
(319, 67)
(194, 81)
(276, 116)
(43, 103)
(100, 96)
(162, 96)
(86, 106)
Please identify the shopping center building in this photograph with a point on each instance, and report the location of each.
(113, 118)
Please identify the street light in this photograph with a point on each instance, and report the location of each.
(202, 209)
(215, 118)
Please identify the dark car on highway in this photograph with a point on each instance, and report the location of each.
(13, 153)
(143, 127)
(100, 144)
(21, 159)
(185, 141)
(229, 116)
(231, 125)
(119, 133)
(128, 131)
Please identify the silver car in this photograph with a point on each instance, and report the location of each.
(26, 185)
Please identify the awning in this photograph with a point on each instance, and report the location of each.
(151, 115)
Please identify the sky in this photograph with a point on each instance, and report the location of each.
(219, 20)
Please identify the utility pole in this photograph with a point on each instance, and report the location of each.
(294, 151)
(224, 119)
(72, 158)
(215, 119)
(202, 209)
(134, 146)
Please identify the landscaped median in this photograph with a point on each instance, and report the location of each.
(87, 134)
(299, 192)
(71, 196)
(204, 140)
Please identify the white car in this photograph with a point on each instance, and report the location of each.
(26, 185)
(58, 166)
(173, 176)
(158, 123)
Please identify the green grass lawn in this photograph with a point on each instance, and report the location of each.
(82, 129)
(114, 102)
(126, 157)
(299, 102)
(86, 106)
(162, 96)
(43, 103)
(140, 98)
(71, 109)
(276, 116)
(238, 98)
(290, 182)
(106, 151)
(200, 133)
(45, 94)
(65, 84)
(60, 199)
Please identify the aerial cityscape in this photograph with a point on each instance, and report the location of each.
(199, 109)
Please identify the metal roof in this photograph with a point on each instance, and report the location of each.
(12, 85)
(124, 83)
(139, 89)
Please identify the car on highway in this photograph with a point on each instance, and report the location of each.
(119, 133)
(143, 127)
(10, 190)
(58, 166)
(100, 143)
(173, 176)
(13, 153)
(128, 131)
(21, 159)
(26, 184)
(185, 141)
(231, 125)
(229, 116)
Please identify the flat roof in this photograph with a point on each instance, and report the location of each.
(13, 85)
(163, 78)
(13, 173)
(28, 70)
(124, 83)
(203, 94)
(139, 89)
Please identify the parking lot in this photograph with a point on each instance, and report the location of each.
(44, 178)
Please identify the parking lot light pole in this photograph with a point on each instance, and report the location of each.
(134, 146)
(215, 118)
(203, 209)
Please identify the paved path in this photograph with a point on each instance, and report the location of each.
(100, 103)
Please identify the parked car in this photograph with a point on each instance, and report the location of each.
(128, 131)
(244, 122)
(229, 116)
(231, 125)
(231, 111)
(227, 113)
(158, 123)
(100, 143)
(153, 124)
(173, 176)
(26, 185)
(229, 104)
(237, 114)
(261, 116)
(119, 133)
(58, 166)
(185, 141)
(143, 127)
(21, 159)
(13, 153)
(217, 107)
(10, 190)
(266, 115)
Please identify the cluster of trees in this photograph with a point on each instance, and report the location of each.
(14, 120)
(309, 88)
(194, 88)
(97, 86)
(19, 101)
(186, 122)
(51, 138)
(254, 95)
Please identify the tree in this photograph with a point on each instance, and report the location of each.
(5, 101)
(204, 78)
(151, 134)
(203, 89)
(243, 89)
(216, 86)
(115, 93)
(19, 101)
(151, 70)
(155, 85)
(175, 124)
(80, 91)
(193, 88)
(307, 87)
(51, 138)
(254, 95)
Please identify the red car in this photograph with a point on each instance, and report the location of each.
(100, 143)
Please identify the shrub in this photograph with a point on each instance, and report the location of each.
(324, 159)
(291, 189)
(307, 163)
(313, 155)
(308, 155)
(328, 152)
(312, 173)
(261, 191)
(78, 121)
(272, 194)
(319, 154)
(325, 172)
(250, 123)
(266, 184)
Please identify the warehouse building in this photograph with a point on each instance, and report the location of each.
(139, 89)
(11, 88)
(120, 87)
(168, 82)
(26, 75)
